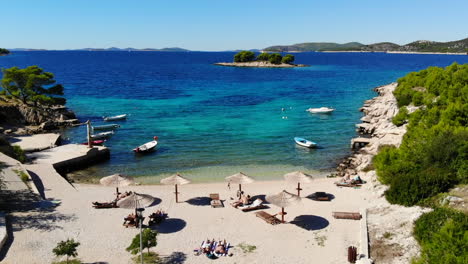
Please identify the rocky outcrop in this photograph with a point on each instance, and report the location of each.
(390, 226)
(260, 64)
(25, 119)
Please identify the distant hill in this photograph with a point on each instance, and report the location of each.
(459, 46)
(314, 46)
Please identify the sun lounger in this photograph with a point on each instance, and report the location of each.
(347, 215)
(215, 201)
(257, 204)
(271, 219)
(99, 205)
(344, 184)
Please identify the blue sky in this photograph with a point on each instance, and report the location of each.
(226, 24)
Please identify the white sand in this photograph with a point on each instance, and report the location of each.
(103, 238)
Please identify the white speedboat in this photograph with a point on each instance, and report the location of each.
(115, 118)
(305, 143)
(102, 135)
(320, 110)
(106, 127)
(147, 147)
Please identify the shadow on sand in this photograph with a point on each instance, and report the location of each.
(170, 225)
(314, 196)
(174, 258)
(310, 222)
(199, 201)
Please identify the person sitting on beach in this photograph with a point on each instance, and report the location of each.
(207, 245)
(130, 219)
(221, 247)
(356, 180)
(244, 200)
(125, 194)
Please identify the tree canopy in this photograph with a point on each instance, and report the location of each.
(433, 156)
(288, 59)
(32, 84)
(149, 239)
(263, 57)
(244, 56)
(66, 248)
(4, 51)
(275, 58)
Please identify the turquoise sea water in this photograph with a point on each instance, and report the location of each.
(214, 121)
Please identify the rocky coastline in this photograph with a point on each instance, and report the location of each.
(259, 64)
(390, 226)
(17, 118)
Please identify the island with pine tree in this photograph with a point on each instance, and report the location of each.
(263, 60)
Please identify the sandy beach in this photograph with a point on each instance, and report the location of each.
(319, 237)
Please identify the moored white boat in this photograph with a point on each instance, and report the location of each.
(320, 110)
(106, 127)
(305, 143)
(115, 118)
(147, 147)
(102, 135)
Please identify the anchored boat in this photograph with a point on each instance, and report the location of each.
(102, 135)
(147, 147)
(320, 110)
(106, 127)
(305, 143)
(115, 118)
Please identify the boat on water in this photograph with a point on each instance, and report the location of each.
(102, 135)
(320, 110)
(98, 142)
(305, 143)
(106, 127)
(115, 118)
(147, 147)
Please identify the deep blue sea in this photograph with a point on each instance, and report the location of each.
(214, 121)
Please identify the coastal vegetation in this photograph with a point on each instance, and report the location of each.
(31, 85)
(4, 52)
(14, 152)
(273, 58)
(432, 159)
(433, 156)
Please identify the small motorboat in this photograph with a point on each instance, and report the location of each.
(305, 143)
(106, 127)
(147, 147)
(115, 118)
(95, 142)
(102, 135)
(321, 110)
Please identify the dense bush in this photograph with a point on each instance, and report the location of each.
(12, 151)
(433, 156)
(275, 58)
(244, 56)
(400, 118)
(443, 235)
(263, 57)
(288, 59)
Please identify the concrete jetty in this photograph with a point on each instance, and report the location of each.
(37, 142)
(70, 157)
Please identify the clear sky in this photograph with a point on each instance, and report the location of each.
(225, 24)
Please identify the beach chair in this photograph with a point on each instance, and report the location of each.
(215, 201)
(347, 215)
(257, 204)
(271, 219)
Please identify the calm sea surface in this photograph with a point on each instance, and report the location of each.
(214, 121)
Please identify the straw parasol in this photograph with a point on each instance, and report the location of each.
(175, 179)
(299, 177)
(283, 199)
(117, 180)
(136, 200)
(239, 178)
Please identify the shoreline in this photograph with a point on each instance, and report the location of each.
(259, 64)
(383, 218)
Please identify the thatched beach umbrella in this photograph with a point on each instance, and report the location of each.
(136, 200)
(175, 179)
(117, 180)
(283, 199)
(299, 177)
(239, 178)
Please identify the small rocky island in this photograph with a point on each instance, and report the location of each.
(263, 60)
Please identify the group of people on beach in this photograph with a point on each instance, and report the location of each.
(213, 249)
(154, 218)
(243, 200)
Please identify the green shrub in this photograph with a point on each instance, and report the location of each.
(443, 236)
(275, 58)
(288, 59)
(244, 56)
(400, 118)
(12, 151)
(148, 258)
(263, 57)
